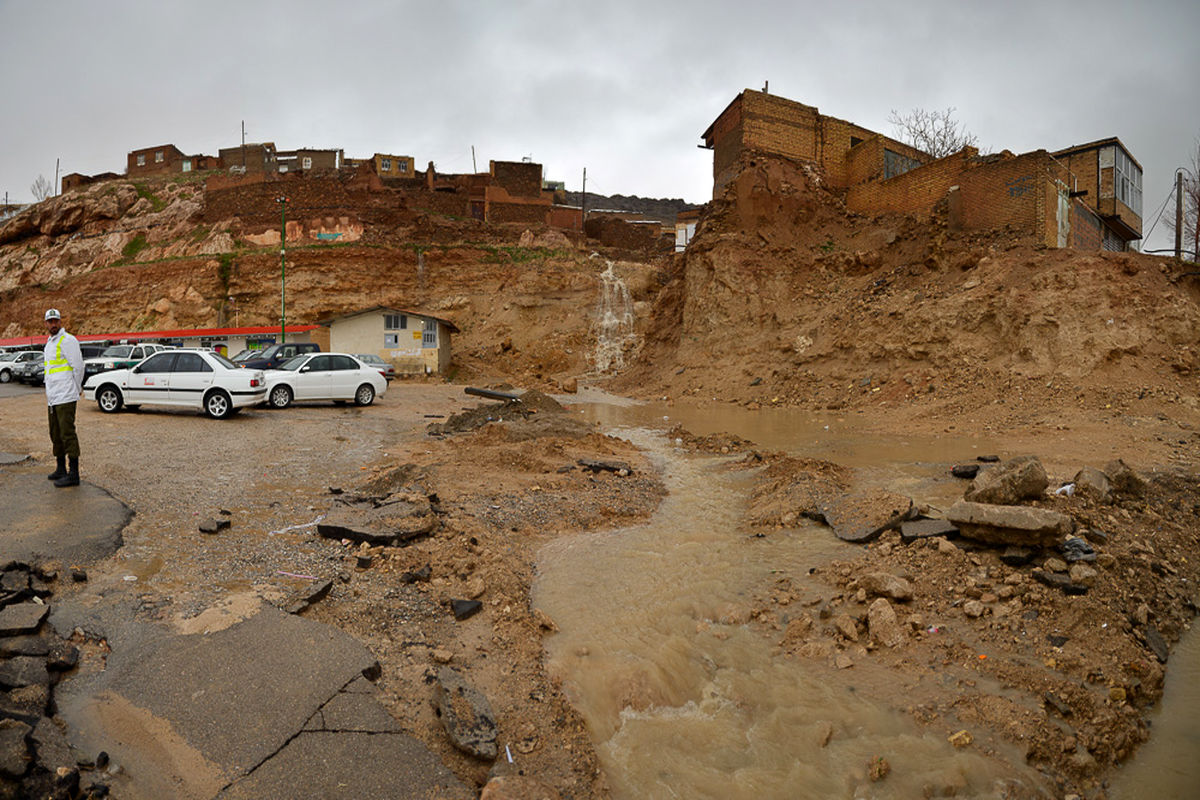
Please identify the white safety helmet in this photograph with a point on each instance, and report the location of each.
(52, 313)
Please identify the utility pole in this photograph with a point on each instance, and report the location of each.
(1179, 215)
(282, 269)
(56, 175)
(474, 168)
(243, 146)
(583, 201)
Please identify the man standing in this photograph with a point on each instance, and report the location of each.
(64, 380)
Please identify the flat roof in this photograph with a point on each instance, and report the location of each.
(1096, 145)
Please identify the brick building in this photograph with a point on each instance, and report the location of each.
(165, 159)
(392, 166)
(1086, 197)
(249, 158)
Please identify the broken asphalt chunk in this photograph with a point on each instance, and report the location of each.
(618, 467)
(968, 471)
(22, 618)
(302, 599)
(466, 715)
(911, 530)
(1023, 526)
(1056, 581)
(1156, 643)
(464, 609)
(862, 515)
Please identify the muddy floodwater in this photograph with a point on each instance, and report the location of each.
(684, 699)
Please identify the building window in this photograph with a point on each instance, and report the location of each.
(141, 159)
(386, 165)
(895, 164)
(158, 156)
(402, 166)
(395, 322)
(307, 163)
(429, 334)
(391, 340)
(1127, 180)
(187, 165)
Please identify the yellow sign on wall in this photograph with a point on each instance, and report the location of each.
(416, 334)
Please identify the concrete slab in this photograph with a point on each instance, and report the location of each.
(229, 713)
(77, 525)
(12, 458)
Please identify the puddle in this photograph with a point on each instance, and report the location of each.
(682, 699)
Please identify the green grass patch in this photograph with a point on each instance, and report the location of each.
(136, 245)
(225, 270)
(156, 203)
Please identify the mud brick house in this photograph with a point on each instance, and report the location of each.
(392, 166)
(249, 158)
(510, 191)
(166, 159)
(308, 160)
(1085, 197)
(76, 179)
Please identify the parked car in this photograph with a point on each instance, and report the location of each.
(30, 370)
(191, 378)
(324, 376)
(275, 355)
(10, 361)
(386, 369)
(119, 356)
(243, 355)
(92, 350)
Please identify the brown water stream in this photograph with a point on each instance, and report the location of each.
(683, 699)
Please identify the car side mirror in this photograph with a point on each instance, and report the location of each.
(306, 368)
(137, 369)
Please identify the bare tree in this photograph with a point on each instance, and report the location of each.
(41, 188)
(1191, 209)
(935, 132)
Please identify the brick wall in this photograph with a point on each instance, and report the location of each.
(914, 192)
(517, 212)
(518, 178)
(254, 199)
(1007, 191)
(257, 157)
(161, 160)
(1086, 228)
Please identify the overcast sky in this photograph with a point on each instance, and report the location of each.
(622, 88)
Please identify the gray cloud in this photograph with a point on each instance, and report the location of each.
(620, 87)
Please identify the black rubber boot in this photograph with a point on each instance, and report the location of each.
(61, 470)
(72, 477)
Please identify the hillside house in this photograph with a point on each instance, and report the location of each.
(392, 166)
(165, 159)
(249, 158)
(1085, 197)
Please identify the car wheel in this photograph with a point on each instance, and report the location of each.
(218, 405)
(280, 397)
(109, 399)
(365, 395)
(5, 375)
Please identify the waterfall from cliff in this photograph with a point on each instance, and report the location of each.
(614, 322)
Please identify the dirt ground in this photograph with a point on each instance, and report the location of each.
(1069, 678)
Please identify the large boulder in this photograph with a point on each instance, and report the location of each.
(884, 584)
(883, 625)
(1015, 480)
(1022, 526)
(1125, 480)
(1091, 482)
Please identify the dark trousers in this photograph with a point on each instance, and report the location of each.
(62, 430)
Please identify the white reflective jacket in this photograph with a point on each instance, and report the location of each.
(64, 368)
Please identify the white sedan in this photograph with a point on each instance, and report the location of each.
(192, 378)
(323, 376)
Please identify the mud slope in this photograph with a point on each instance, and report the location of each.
(784, 287)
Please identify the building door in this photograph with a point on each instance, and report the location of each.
(1064, 215)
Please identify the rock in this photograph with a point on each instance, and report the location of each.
(441, 656)
(79, 575)
(1156, 643)
(1017, 556)
(464, 609)
(28, 703)
(1057, 640)
(1013, 481)
(303, 598)
(960, 739)
(22, 618)
(883, 625)
(1083, 575)
(883, 584)
(26, 645)
(843, 661)
(21, 671)
(1106, 560)
(1010, 525)
(946, 546)
(823, 733)
(1117, 694)
(421, 575)
(393, 521)
(213, 525)
(1053, 700)
(1094, 484)
(973, 609)
(1056, 581)
(1124, 479)
(968, 471)
(518, 787)
(50, 744)
(1095, 536)
(988, 459)
(862, 515)
(1077, 549)
(619, 467)
(1054, 565)
(14, 752)
(911, 530)
(466, 715)
(846, 626)
(1141, 615)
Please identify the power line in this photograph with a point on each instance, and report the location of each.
(1162, 208)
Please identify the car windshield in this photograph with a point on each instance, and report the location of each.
(117, 351)
(242, 356)
(368, 358)
(293, 364)
(7, 356)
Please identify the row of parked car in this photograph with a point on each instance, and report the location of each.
(220, 387)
